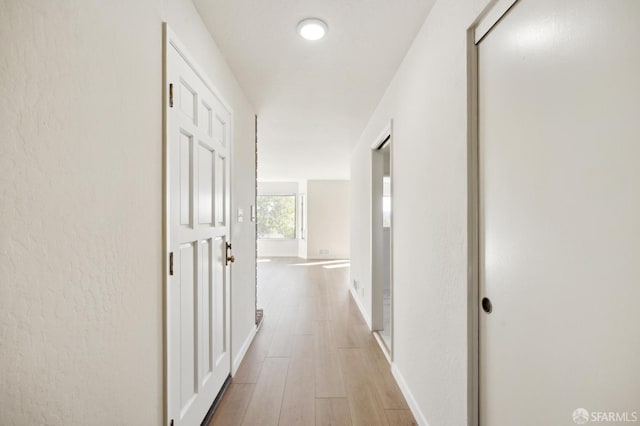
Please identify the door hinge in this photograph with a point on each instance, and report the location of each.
(170, 95)
(171, 263)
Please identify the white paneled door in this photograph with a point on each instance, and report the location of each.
(559, 150)
(198, 146)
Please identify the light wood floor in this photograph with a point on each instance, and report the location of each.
(313, 361)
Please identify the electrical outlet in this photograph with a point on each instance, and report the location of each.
(324, 251)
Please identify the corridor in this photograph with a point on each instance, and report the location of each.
(313, 360)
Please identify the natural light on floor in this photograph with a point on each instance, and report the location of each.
(341, 265)
(326, 262)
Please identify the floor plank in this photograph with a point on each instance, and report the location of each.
(388, 390)
(298, 405)
(264, 407)
(328, 371)
(313, 361)
(303, 323)
(364, 403)
(250, 368)
(400, 418)
(233, 406)
(281, 342)
(332, 412)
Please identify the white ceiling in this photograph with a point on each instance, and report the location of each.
(313, 99)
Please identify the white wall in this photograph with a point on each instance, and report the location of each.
(278, 248)
(328, 219)
(427, 100)
(81, 284)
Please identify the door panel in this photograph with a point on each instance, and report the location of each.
(186, 148)
(206, 331)
(559, 97)
(205, 184)
(219, 304)
(197, 294)
(187, 97)
(221, 189)
(188, 299)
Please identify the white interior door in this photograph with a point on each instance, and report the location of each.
(198, 329)
(559, 150)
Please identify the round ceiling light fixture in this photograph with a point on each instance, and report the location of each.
(312, 29)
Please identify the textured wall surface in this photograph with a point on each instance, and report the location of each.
(80, 184)
(81, 338)
(427, 100)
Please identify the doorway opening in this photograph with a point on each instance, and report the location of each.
(382, 242)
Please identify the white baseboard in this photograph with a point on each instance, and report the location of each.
(363, 312)
(243, 350)
(404, 388)
(383, 346)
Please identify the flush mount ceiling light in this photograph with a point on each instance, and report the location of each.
(312, 29)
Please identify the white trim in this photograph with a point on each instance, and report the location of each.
(384, 140)
(367, 319)
(243, 350)
(392, 286)
(383, 345)
(494, 11)
(472, 231)
(485, 21)
(411, 401)
(384, 134)
(165, 226)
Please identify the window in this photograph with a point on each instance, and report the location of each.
(276, 216)
(386, 211)
(302, 218)
(386, 201)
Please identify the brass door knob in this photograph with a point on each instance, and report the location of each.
(228, 257)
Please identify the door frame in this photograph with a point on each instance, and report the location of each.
(494, 11)
(377, 314)
(171, 40)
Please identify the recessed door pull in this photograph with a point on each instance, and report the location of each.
(486, 305)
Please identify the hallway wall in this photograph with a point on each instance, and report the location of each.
(328, 212)
(81, 260)
(427, 100)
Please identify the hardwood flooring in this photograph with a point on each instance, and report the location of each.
(313, 361)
